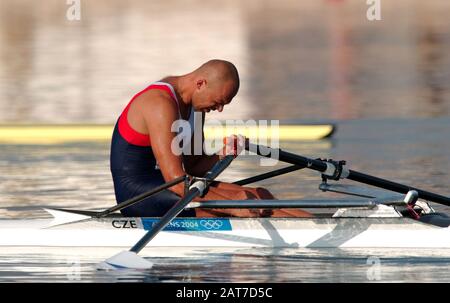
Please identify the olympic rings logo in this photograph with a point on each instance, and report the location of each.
(211, 224)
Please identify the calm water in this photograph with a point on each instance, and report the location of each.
(77, 176)
(386, 84)
(235, 265)
(297, 59)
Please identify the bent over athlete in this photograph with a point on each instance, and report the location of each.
(141, 155)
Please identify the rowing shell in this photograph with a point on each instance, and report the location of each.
(55, 134)
(117, 231)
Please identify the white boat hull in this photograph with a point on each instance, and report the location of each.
(210, 232)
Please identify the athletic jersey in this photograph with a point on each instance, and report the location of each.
(134, 168)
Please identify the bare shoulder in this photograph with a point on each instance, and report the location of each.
(156, 101)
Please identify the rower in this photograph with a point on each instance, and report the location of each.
(141, 149)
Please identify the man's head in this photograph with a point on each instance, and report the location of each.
(216, 84)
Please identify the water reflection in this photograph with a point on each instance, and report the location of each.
(317, 59)
(233, 265)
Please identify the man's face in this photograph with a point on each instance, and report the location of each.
(208, 98)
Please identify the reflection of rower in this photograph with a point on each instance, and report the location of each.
(141, 155)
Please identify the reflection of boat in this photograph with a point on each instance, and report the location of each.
(54, 134)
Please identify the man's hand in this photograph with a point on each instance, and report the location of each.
(233, 145)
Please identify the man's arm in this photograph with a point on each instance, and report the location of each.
(198, 165)
(159, 113)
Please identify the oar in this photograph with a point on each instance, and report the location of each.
(130, 259)
(71, 217)
(140, 197)
(329, 169)
(269, 174)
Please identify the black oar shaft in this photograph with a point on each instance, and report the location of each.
(287, 157)
(172, 213)
(322, 166)
(140, 197)
(397, 187)
(270, 174)
(181, 204)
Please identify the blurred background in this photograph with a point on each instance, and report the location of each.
(310, 60)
